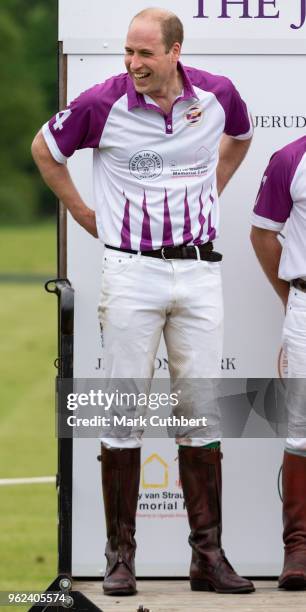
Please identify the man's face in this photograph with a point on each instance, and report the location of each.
(146, 60)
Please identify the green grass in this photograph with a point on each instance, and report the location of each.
(28, 347)
(28, 551)
(27, 438)
(28, 250)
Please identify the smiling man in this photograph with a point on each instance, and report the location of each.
(151, 54)
(166, 140)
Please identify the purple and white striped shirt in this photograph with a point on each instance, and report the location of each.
(282, 199)
(154, 174)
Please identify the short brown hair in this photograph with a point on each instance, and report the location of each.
(171, 26)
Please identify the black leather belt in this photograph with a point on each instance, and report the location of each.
(204, 252)
(299, 283)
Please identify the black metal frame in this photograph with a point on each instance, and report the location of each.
(65, 294)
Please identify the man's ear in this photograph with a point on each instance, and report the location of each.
(175, 51)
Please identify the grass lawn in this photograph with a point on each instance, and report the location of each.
(29, 249)
(28, 331)
(27, 352)
(28, 551)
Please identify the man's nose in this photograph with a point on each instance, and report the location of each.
(136, 63)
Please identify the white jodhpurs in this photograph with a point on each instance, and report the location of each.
(143, 297)
(294, 340)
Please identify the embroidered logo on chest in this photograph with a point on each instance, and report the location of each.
(193, 115)
(146, 165)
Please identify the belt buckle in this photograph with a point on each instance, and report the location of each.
(163, 254)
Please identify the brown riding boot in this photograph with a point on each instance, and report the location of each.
(200, 474)
(120, 483)
(293, 576)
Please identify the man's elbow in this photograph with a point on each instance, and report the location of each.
(41, 154)
(258, 237)
(253, 234)
(247, 143)
(37, 146)
(262, 237)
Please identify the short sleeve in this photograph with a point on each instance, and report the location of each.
(78, 126)
(238, 123)
(273, 203)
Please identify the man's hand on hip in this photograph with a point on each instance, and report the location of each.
(57, 177)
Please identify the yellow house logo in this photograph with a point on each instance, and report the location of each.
(154, 473)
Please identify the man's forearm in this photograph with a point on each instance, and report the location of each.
(57, 177)
(231, 153)
(268, 250)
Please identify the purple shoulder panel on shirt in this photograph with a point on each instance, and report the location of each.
(81, 124)
(237, 121)
(274, 199)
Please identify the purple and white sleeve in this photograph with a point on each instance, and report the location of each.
(238, 122)
(273, 203)
(78, 126)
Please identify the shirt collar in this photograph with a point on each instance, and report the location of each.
(136, 100)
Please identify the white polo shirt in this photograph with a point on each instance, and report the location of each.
(154, 174)
(282, 198)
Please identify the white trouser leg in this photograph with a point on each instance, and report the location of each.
(142, 296)
(194, 338)
(132, 312)
(294, 338)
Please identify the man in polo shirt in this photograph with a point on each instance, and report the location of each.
(158, 170)
(282, 199)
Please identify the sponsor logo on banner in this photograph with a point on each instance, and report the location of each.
(250, 9)
(154, 473)
(227, 363)
(146, 165)
(279, 121)
(161, 491)
(161, 364)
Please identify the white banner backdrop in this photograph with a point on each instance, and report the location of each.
(243, 20)
(273, 88)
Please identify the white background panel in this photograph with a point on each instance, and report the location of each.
(98, 19)
(253, 313)
(252, 509)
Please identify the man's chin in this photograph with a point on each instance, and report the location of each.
(142, 85)
(143, 89)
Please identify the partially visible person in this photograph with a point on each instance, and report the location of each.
(282, 199)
